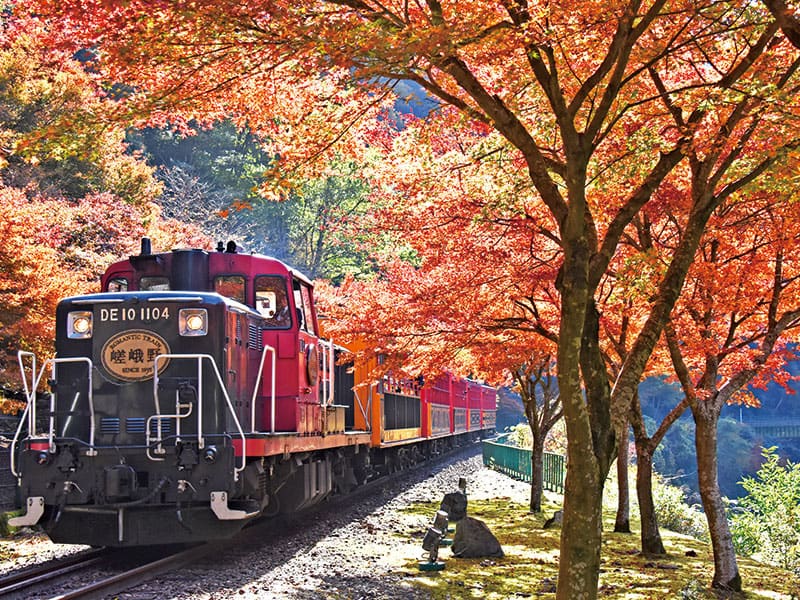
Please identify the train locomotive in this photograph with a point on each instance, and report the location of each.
(194, 393)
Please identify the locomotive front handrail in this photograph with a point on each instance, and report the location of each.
(30, 408)
(34, 382)
(159, 447)
(26, 414)
(327, 372)
(92, 428)
(200, 358)
(15, 441)
(267, 348)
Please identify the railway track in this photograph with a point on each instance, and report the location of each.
(15, 583)
(114, 570)
(111, 571)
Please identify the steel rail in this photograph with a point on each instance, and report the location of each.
(24, 578)
(140, 574)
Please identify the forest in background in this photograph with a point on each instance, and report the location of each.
(625, 269)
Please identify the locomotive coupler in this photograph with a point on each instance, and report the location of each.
(121, 482)
(188, 456)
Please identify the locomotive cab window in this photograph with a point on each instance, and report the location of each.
(302, 300)
(231, 286)
(117, 284)
(272, 301)
(154, 284)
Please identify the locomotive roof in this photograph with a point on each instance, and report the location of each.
(235, 254)
(182, 296)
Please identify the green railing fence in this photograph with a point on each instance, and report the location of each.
(516, 462)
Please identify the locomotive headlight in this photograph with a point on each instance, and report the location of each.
(193, 321)
(79, 325)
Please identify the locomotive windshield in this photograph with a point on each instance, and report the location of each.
(272, 301)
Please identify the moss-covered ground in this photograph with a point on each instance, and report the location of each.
(530, 566)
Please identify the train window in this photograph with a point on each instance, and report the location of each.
(154, 284)
(306, 293)
(231, 286)
(302, 300)
(272, 301)
(117, 284)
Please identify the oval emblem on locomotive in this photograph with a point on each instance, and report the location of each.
(130, 355)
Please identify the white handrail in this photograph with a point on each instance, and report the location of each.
(267, 348)
(30, 408)
(13, 465)
(328, 358)
(177, 416)
(92, 427)
(200, 441)
(29, 393)
(200, 358)
(26, 414)
(331, 372)
(322, 380)
(361, 407)
(366, 412)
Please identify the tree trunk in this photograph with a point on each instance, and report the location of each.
(622, 524)
(537, 475)
(579, 560)
(651, 537)
(726, 571)
(581, 529)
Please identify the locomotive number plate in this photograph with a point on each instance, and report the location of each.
(129, 355)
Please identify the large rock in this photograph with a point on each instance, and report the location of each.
(455, 505)
(473, 539)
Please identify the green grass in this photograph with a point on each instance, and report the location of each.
(530, 566)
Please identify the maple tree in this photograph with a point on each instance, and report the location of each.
(625, 296)
(59, 230)
(53, 249)
(597, 105)
(734, 326)
(543, 411)
(56, 131)
(461, 296)
(31, 278)
(786, 18)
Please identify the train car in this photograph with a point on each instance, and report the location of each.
(415, 415)
(474, 405)
(488, 408)
(439, 406)
(460, 404)
(194, 393)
